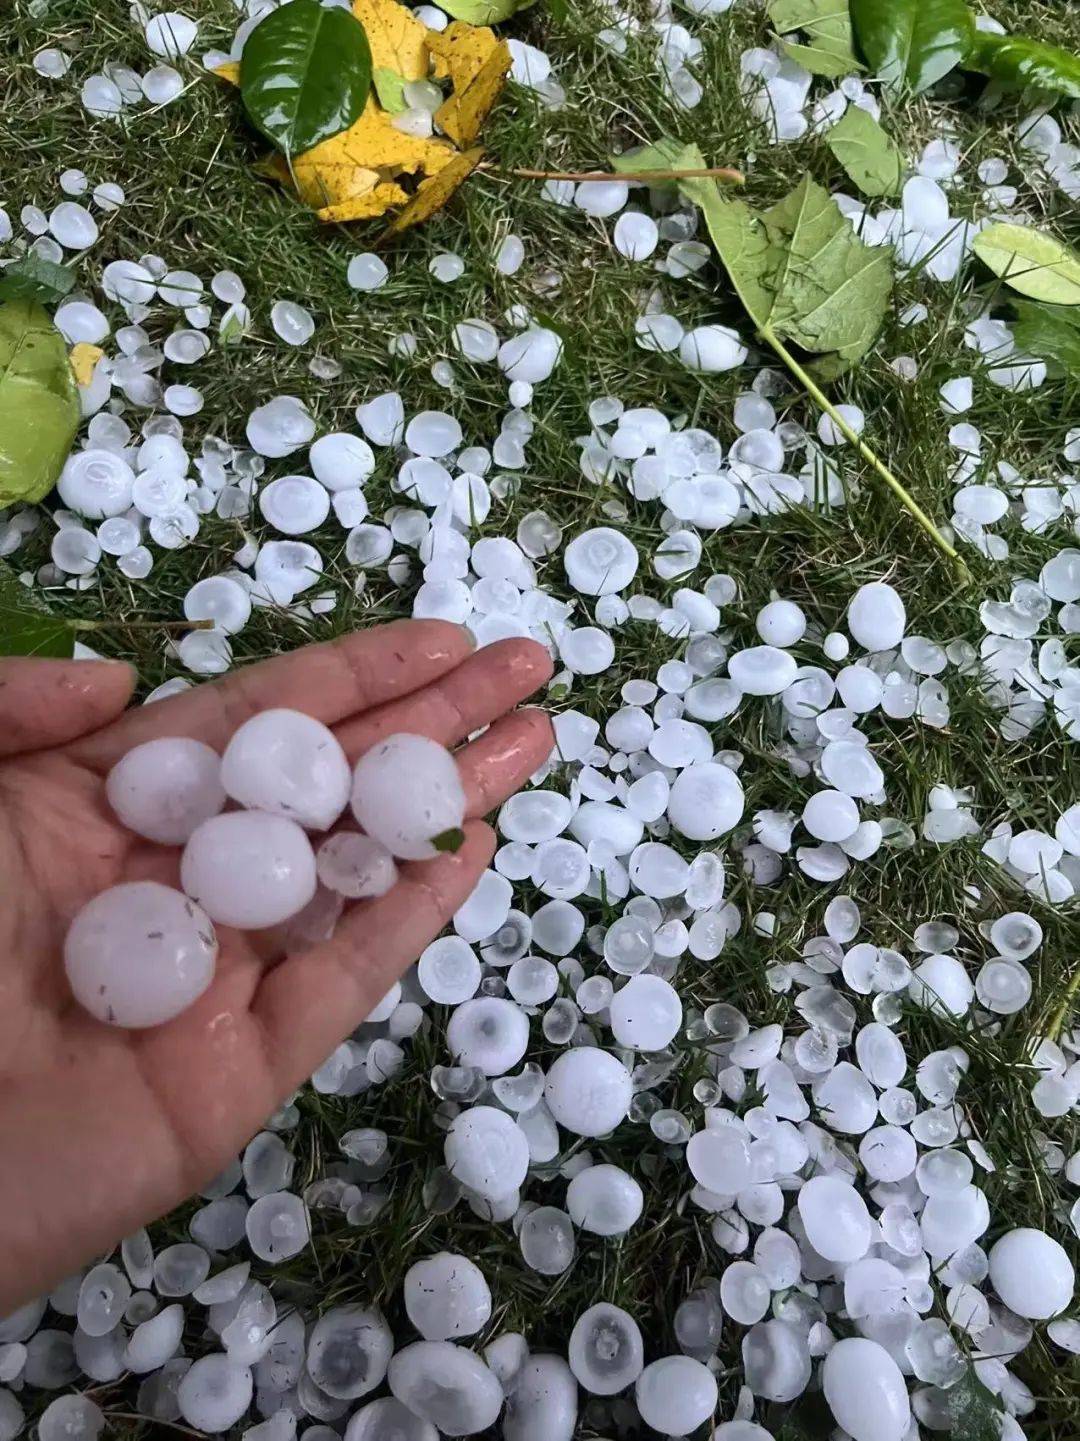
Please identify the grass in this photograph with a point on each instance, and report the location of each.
(193, 198)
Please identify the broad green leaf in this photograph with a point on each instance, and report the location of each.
(832, 290)
(485, 12)
(390, 89)
(1031, 262)
(663, 154)
(1017, 62)
(305, 74)
(913, 43)
(828, 48)
(742, 244)
(866, 152)
(972, 1410)
(39, 402)
(1050, 332)
(33, 278)
(25, 629)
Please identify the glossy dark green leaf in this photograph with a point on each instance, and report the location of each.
(305, 74)
(25, 629)
(1017, 62)
(1050, 333)
(39, 402)
(449, 842)
(913, 43)
(33, 278)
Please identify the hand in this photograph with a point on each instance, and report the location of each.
(103, 1129)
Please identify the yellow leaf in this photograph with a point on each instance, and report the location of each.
(398, 41)
(477, 62)
(230, 71)
(83, 358)
(433, 193)
(350, 165)
(365, 207)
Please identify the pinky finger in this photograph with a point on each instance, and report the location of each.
(309, 1003)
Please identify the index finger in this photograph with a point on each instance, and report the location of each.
(331, 681)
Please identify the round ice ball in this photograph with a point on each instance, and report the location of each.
(866, 1391)
(588, 1091)
(214, 1393)
(601, 561)
(383, 1420)
(407, 793)
(487, 1151)
(838, 1225)
(490, 1033)
(542, 1403)
(446, 1296)
(355, 866)
(348, 1351)
(780, 623)
(140, 953)
(606, 1351)
(447, 1385)
(675, 1395)
(876, 616)
(1031, 1273)
(719, 1159)
(605, 1200)
(706, 801)
(249, 869)
(164, 788)
(776, 1360)
(646, 1013)
(288, 764)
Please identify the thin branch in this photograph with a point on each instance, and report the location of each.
(1061, 1015)
(715, 172)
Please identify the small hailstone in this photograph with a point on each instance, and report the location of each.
(476, 340)
(706, 801)
(447, 1386)
(214, 1393)
(635, 235)
(487, 1151)
(101, 98)
(294, 504)
(588, 1091)
(291, 322)
(837, 1223)
(75, 551)
(278, 1226)
(249, 869)
(676, 1395)
(170, 34)
(448, 971)
(876, 617)
(162, 84)
(1031, 1273)
(367, 272)
(866, 1391)
(166, 787)
(341, 461)
(604, 1200)
(601, 561)
(288, 764)
(601, 198)
(712, 348)
(74, 182)
(348, 1351)
(509, 255)
(139, 954)
(446, 267)
(96, 483)
(279, 427)
(228, 287)
(780, 623)
(605, 1350)
(530, 356)
(355, 866)
(52, 63)
(446, 1297)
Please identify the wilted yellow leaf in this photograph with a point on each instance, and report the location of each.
(351, 164)
(366, 207)
(398, 41)
(230, 71)
(477, 62)
(83, 358)
(433, 193)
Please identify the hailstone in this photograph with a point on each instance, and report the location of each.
(288, 764)
(407, 793)
(164, 788)
(249, 869)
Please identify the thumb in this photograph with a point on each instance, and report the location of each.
(47, 702)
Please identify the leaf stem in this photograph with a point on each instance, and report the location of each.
(1057, 1021)
(137, 624)
(907, 500)
(716, 172)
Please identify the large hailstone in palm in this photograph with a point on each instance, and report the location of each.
(289, 764)
(407, 793)
(600, 561)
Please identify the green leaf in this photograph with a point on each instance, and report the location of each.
(390, 88)
(33, 278)
(828, 49)
(39, 402)
(1017, 62)
(1050, 332)
(26, 629)
(449, 842)
(866, 152)
(666, 153)
(913, 43)
(485, 12)
(1031, 262)
(305, 74)
(973, 1410)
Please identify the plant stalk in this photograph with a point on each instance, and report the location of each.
(1057, 1021)
(907, 500)
(718, 172)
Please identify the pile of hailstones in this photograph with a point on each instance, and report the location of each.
(833, 1287)
(139, 953)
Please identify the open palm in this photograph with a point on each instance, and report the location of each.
(102, 1129)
